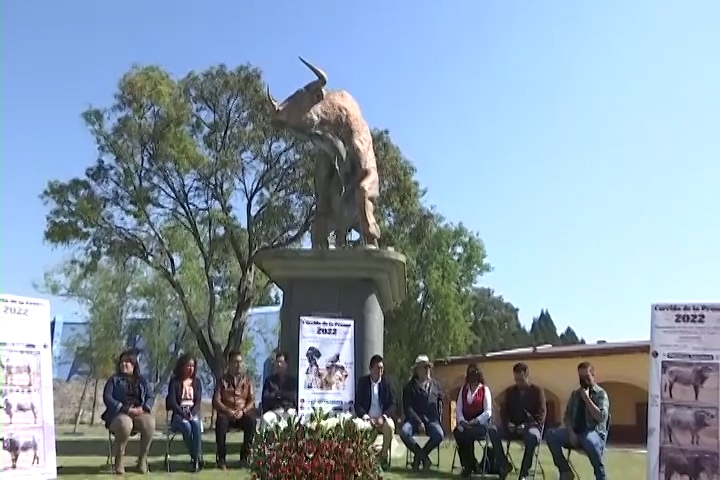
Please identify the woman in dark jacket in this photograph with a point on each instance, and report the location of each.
(183, 401)
(128, 404)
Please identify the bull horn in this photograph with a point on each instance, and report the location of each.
(321, 77)
(272, 100)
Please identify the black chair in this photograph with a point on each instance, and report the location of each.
(536, 460)
(484, 442)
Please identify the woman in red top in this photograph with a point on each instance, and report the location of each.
(473, 412)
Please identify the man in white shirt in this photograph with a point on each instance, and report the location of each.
(473, 413)
(375, 401)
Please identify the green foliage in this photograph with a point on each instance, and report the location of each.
(543, 329)
(444, 260)
(105, 296)
(191, 181)
(495, 324)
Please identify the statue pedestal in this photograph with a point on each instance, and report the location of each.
(359, 284)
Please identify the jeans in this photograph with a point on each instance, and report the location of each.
(591, 443)
(191, 431)
(435, 437)
(530, 437)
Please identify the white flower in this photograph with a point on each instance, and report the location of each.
(269, 418)
(343, 417)
(291, 412)
(312, 425)
(282, 424)
(330, 423)
(361, 424)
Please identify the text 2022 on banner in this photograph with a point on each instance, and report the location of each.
(28, 422)
(326, 374)
(684, 391)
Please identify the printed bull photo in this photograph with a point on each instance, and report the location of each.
(691, 382)
(683, 464)
(332, 377)
(689, 426)
(19, 407)
(20, 450)
(19, 369)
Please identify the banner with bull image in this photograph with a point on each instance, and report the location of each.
(28, 422)
(326, 375)
(684, 392)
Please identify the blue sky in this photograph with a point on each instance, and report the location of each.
(581, 139)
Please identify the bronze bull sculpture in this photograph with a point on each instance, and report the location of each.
(346, 178)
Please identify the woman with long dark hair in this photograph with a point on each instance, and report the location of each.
(183, 401)
(473, 412)
(127, 410)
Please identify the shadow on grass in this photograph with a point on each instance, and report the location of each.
(99, 447)
(432, 473)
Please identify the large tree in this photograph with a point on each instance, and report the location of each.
(191, 158)
(495, 324)
(444, 260)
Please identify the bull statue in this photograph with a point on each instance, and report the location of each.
(345, 175)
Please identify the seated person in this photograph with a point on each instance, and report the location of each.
(234, 401)
(279, 389)
(127, 400)
(473, 412)
(422, 404)
(522, 416)
(375, 401)
(584, 425)
(183, 401)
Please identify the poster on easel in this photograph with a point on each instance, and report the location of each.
(326, 373)
(26, 388)
(684, 391)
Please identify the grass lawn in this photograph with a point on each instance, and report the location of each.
(84, 456)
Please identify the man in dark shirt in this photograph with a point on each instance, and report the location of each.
(280, 389)
(522, 416)
(422, 405)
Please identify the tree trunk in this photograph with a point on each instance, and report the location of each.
(78, 416)
(95, 402)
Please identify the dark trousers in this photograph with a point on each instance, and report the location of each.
(224, 423)
(465, 440)
(530, 437)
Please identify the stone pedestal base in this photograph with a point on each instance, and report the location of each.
(360, 284)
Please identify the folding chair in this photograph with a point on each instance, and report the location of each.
(484, 442)
(410, 457)
(110, 443)
(570, 449)
(169, 437)
(536, 458)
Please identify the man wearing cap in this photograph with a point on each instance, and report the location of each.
(422, 404)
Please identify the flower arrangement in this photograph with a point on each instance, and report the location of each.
(318, 446)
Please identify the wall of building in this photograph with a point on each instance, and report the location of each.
(624, 376)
